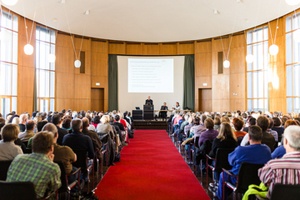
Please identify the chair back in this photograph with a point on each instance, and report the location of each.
(248, 174)
(103, 137)
(17, 190)
(281, 191)
(222, 159)
(63, 178)
(81, 160)
(4, 165)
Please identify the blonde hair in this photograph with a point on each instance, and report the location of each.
(226, 132)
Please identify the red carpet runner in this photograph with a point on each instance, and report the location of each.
(151, 168)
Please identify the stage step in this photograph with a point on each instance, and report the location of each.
(150, 124)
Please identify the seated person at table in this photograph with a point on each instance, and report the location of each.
(149, 101)
(37, 167)
(163, 114)
(255, 153)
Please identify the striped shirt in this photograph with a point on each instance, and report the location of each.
(285, 170)
(38, 169)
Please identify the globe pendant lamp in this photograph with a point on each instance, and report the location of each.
(28, 49)
(226, 64)
(77, 63)
(273, 50)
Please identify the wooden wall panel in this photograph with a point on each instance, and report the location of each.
(277, 86)
(168, 49)
(117, 48)
(203, 46)
(150, 49)
(26, 69)
(133, 48)
(186, 48)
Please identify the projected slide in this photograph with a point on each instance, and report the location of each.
(150, 75)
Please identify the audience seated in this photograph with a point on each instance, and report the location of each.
(57, 121)
(8, 149)
(238, 126)
(255, 153)
(287, 169)
(225, 139)
(22, 122)
(62, 154)
(268, 139)
(78, 141)
(210, 133)
(37, 167)
(28, 133)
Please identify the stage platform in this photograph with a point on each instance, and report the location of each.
(150, 124)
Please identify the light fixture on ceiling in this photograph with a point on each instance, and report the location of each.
(62, 1)
(273, 49)
(87, 12)
(249, 58)
(28, 49)
(226, 64)
(77, 63)
(216, 12)
(10, 2)
(292, 2)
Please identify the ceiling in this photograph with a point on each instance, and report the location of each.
(154, 20)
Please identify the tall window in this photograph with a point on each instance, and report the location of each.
(45, 68)
(293, 63)
(257, 80)
(8, 62)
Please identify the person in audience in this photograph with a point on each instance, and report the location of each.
(37, 167)
(225, 139)
(97, 144)
(210, 133)
(23, 120)
(250, 122)
(78, 141)
(268, 139)
(217, 123)
(62, 154)
(255, 153)
(66, 124)
(29, 132)
(271, 131)
(57, 121)
(277, 127)
(122, 131)
(91, 126)
(280, 150)
(287, 169)
(96, 121)
(238, 125)
(8, 149)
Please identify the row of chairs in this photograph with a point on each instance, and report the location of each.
(248, 173)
